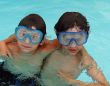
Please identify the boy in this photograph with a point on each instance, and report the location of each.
(64, 65)
(27, 53)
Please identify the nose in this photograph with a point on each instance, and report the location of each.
(27, 40)
(72, 44)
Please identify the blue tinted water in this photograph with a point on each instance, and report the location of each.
(96, 11)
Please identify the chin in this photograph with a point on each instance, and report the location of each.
(26, 51)
(73, 53)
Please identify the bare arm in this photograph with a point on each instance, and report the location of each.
(69, 79)
(10, 39)
(96, 75)
(92, 71)
(3, 45)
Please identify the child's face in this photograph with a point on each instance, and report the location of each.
(26, 47)
(73, 48)
(28, 40)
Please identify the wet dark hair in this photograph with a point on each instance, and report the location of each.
(34, 20)
(71, 19)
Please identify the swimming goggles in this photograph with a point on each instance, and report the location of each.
(34, 35)
(77, 38)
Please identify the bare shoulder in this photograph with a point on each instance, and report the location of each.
(49, 45)
(87, 60)
(13, 47)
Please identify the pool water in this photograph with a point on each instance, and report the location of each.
(96, 11)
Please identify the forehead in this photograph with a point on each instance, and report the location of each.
(29, 28)
(33, 28)
(74, 29)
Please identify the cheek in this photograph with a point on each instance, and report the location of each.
(79, 47)
(65, 47)
(34, 47)
(19, 43)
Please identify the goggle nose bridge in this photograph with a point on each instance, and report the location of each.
(27, 36)
(72, 41)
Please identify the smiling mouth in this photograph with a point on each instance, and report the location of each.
(25, 46)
